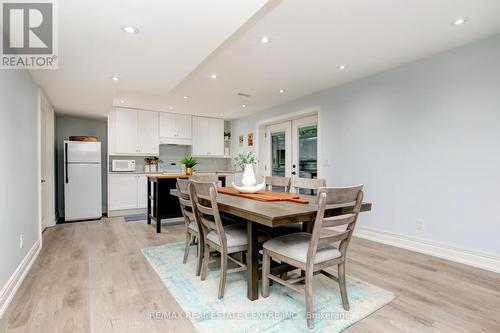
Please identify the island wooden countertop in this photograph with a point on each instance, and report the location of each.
(170, 176)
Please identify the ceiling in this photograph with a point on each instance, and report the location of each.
(180, 46)
(175, 37)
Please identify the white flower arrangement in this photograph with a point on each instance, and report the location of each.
(245, 158)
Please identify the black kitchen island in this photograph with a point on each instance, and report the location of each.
(161, 203)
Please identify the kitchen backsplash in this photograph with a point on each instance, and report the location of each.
(176, 153)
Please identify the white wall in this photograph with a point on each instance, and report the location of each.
(18, 169)
(424, 138)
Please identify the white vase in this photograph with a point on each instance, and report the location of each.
(248, 179)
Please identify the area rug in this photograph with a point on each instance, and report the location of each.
(135, 218)
(282, 311)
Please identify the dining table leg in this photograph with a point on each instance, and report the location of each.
(253, 261)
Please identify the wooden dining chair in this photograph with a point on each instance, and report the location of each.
(226, 240)
(206, 177)
(312, 184)
(297, 184)
(281, 182)
(314, 252)
(192, 227)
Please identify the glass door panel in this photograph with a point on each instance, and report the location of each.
(278, 154)
(308, 152)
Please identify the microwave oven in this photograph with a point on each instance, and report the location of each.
(123, 165)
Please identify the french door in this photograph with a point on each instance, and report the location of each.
(292, 148)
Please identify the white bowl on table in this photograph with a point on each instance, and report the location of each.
(249, 189)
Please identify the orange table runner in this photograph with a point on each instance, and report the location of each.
(263, 195)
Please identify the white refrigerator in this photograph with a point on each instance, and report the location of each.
(82, 181)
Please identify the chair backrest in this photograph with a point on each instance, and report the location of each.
(312, 184)
(185, 200)
(206, 177)
(277, 181)
(204, 197)
(353, 196)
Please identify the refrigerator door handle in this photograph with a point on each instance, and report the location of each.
(66, 162)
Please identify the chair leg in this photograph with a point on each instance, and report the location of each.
(309, 298)
(223, 274)
(343, 288)
(206, 258)
(199, 249)
(266, 267)
(186, 249)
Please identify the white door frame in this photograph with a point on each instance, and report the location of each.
(260, 137)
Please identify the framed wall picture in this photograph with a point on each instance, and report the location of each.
(250, 139)
(241, 140)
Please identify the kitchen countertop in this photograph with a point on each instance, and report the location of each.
(134, 173)
(167, 176)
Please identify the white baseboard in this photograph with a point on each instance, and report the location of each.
(10, 288)
(463, 256)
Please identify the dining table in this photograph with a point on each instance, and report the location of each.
(274, 214)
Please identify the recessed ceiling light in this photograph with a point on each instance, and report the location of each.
(114, 78)
(282, 91)
(342, 67)
(243, 105)
(186, 97)
(122, 101)
(170, 107)
(130, 30)
(264, 40)
(460, 21)
(213, 76)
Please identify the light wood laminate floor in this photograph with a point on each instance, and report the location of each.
(92, 277)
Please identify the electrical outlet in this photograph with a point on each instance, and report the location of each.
(21, 241)
(420, 225)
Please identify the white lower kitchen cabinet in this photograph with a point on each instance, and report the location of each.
(142, 191)
(127, 192)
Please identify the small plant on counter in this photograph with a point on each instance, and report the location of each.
(152, 160)
(244, 159)
(189, 162)
(227, 135)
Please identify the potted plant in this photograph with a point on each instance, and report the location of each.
(151, 164)
(246, 161)
(189, 162)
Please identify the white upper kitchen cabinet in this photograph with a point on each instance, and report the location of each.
(175, 128)
(149, 137)
(133, 132)
(126, 132)
(208, 137)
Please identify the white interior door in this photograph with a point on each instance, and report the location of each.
(292, 148)
(43, 166)
(47, 165)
